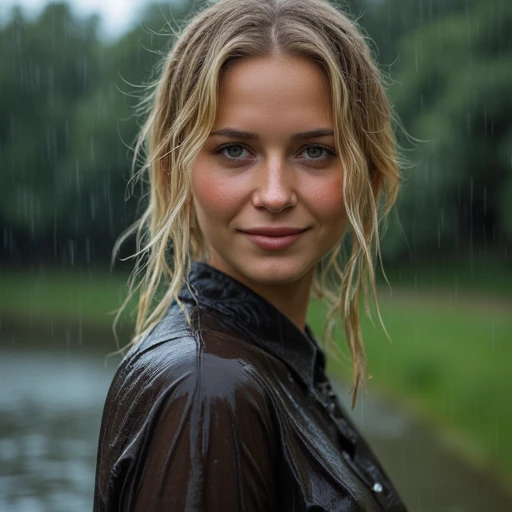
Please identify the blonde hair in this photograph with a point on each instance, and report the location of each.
(181, 110)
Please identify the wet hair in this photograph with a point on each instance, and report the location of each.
(180, 113)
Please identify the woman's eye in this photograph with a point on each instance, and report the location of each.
(316, 153)
(233, 151)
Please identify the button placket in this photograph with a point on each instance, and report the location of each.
(327, 398)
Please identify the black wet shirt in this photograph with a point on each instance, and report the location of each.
(232, 412)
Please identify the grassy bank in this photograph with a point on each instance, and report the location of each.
(62, 297)
(451, 362)
(449, 356)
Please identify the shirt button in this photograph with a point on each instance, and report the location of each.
(377, 487)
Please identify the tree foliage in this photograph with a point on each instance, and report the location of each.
(67, 123)
(451, 91)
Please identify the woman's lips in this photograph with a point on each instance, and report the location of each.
(274, 238)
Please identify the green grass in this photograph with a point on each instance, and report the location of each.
(451, 362)
(62, 297)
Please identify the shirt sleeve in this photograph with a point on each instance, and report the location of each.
(206, 444)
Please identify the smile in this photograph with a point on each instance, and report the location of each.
(274, 239)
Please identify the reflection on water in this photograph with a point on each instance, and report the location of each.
(50, 405)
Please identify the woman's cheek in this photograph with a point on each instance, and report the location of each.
(215, 193)
(326, 198)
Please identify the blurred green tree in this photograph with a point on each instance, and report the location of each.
(47, 66)
(452, 88)
(69, 97)
(66, 126)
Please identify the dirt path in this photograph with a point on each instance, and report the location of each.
(430, 475)
(464, 300)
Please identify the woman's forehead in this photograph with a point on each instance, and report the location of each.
(274, 93)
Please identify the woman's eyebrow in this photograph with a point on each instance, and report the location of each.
(314, 134)
(238, 134)
(235, 134)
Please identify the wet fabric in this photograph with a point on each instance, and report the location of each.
(232, 412)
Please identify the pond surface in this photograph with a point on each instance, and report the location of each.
(50, 405)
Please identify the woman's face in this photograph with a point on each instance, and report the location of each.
(267, 185)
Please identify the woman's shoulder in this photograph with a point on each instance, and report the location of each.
(179, 358)
(177, 393)
(165, 381)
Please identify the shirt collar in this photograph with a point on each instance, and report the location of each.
(259, 320)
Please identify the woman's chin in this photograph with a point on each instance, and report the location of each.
(276, 273)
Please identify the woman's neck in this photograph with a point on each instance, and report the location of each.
(290, 298)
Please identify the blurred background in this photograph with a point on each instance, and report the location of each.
(438, 409)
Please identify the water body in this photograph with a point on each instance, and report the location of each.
(50, 410)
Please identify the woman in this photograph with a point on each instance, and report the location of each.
(268, 138)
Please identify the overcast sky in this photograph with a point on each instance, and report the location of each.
(117, 15)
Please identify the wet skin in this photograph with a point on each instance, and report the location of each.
(267, 185)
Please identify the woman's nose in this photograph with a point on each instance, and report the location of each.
(274, 190)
